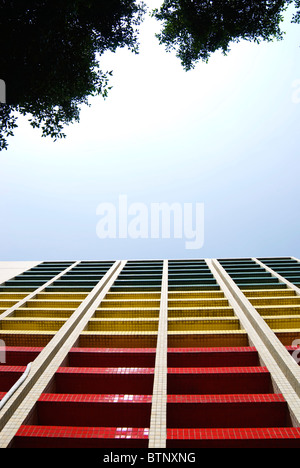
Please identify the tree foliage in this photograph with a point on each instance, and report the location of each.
(198, 28)
(50, 49)
(296, 17)
(50, 53)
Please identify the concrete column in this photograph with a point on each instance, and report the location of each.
(20, 303)
(158, 421)
(21, 404)
(284, 370)
(278, 276)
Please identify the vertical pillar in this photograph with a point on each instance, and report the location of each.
(158, 421)
(284, 370)
(278, 276)
(31, 295)
(43, 368)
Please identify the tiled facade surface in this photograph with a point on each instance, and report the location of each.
(9, 270)
(151, 353)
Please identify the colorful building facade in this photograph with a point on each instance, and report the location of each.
(192, 353)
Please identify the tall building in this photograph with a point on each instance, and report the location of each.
(155, 354)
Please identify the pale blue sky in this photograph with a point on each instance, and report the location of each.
(225, 134)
